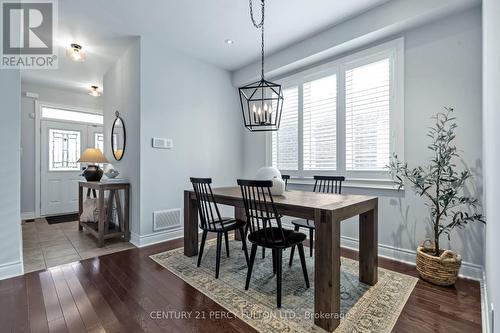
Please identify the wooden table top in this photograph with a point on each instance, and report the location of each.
(303, 199)
(104, 184)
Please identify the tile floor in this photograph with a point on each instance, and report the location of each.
(48, 245)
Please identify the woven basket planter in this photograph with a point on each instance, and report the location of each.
(442, 270)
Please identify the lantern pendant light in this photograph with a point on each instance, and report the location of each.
(261, 101)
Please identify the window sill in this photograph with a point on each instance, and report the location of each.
(376, 184)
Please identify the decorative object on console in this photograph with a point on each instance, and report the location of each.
(110, 171)
(273, 174)
(261, 101)
(443, 185)
(93, 156)
(118, 137)
(90, 211)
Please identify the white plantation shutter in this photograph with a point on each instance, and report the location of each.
(285, 141)
(320, 124)
(344, 117)
(367, 94)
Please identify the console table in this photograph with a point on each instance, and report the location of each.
(103, 229)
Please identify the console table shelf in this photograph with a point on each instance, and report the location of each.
(103, 228)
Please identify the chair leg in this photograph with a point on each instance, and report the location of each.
(273, 252)
(292, 251)
(219, 250)
(291, 256)
(202, 246)
(243, 240)
(303, 262)
(226, 239)
(279, 262)
(311, 242)
(244, 235)
(263, 253)
(253, 252)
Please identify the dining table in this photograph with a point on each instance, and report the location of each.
(327, 211)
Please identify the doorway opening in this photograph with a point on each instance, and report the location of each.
(64, 134)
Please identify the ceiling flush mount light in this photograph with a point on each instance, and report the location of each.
(261, 101)
(94, 91)
(75, 53)
(229, 41)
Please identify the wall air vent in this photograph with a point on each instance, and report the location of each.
(166, 219)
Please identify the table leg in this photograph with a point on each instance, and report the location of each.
(109, 216)
(368, 247)
(119, 211)
(102, 217)
(327, 270)
(126, 219)
(190, 225)
(239, 213)
(80, 206)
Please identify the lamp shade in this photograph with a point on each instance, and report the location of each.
(92, 155)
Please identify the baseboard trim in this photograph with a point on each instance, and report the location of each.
(11, 269)
(28, 216)
(485, 307)
(468, 270)
(156, 237)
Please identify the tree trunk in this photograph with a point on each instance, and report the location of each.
(436, 237)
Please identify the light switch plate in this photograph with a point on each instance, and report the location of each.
(163, 143)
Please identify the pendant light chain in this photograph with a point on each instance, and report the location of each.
(261, 26)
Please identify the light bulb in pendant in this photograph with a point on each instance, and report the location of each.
(254, 109)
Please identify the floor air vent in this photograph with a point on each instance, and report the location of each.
(166, 219)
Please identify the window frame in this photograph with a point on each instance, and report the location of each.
(394, 51)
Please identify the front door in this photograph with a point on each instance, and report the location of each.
(61, 146)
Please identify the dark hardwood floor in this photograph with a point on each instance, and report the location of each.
(118, 293)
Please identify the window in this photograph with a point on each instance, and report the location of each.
(285, 151)
(367, 98)
(82, 117)
(99, 141)
(64, 150)
(344, 117)
(320, 124)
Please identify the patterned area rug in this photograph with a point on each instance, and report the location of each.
(363, 308)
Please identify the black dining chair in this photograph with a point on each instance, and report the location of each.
(261, 211)
(322, 184)
(285, 179)
(211, 220)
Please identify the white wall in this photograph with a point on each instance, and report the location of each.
(10, 222)
(491, 149)
(442, 67)
(49, 95)
(122, 92)
(194, 104)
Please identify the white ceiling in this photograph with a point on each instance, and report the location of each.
(195, 27)
(101, 54)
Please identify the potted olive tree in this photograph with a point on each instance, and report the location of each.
(442, 185)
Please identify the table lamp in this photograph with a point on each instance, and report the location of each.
(92, 156)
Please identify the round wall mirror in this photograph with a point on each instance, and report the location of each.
(118, 137)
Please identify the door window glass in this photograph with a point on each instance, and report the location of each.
(64, 150)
